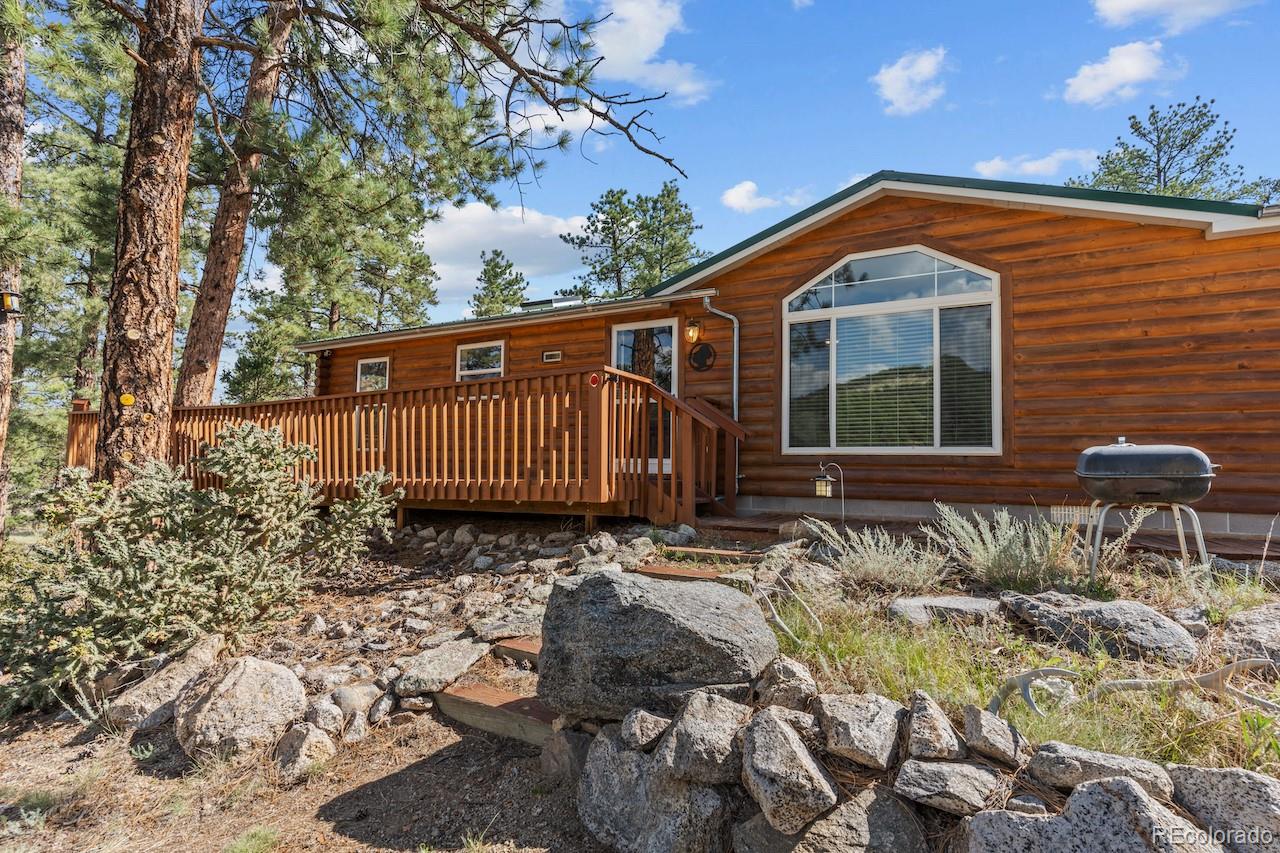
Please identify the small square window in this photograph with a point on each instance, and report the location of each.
(373, 374)
(481, 361)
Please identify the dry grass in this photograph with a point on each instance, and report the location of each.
(861, 651)
(260, 839)
(1008, 552)
(875, 559)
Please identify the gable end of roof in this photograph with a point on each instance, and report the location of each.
(1202, 212)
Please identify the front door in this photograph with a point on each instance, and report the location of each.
(648, 349)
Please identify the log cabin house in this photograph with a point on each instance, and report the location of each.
(940, 338)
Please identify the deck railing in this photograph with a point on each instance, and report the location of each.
(599, 440)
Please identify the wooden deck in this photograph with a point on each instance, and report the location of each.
(595, 442)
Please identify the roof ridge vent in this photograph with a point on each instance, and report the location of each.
(553, 302)
(1269, 210)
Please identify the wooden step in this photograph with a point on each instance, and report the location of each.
(519, 649)
(498, 711)
(666, 571)
(713, 554)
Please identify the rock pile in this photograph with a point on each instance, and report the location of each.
(391, 655)
(736, 746)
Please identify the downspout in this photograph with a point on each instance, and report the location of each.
(706, 303)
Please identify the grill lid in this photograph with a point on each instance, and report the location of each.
(1122, 460)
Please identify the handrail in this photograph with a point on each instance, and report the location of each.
(588, 437)
(664, 394)
(723, 421)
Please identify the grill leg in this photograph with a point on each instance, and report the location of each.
(1195, 528)
(1097, 541)
(1182, 538)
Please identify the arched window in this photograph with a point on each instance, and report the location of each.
(896, 351)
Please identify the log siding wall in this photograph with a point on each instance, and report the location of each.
(1109, 328)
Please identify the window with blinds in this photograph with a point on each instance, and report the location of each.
(893, 352)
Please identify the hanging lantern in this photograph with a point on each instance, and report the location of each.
(822, 484)
(693, 331)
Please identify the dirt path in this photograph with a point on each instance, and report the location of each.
(423, 785)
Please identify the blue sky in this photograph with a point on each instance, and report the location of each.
(774, 104)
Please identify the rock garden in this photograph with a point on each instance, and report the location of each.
(504, 684)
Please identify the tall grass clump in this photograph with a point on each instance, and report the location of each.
(874, 558)
(1007, 552)
(126, 574)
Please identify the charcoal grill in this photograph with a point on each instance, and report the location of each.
(1124, 474)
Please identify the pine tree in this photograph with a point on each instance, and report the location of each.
(78, 119)
(504, 59)
(666, 236)
(502, 287)
(1183, 150)
(13, 100)
(365, 272)
(608, 245)
(631, 244)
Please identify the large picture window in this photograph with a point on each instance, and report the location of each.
(894, 352)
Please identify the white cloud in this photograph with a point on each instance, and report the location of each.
(798, 197)
(1120, 75)
(1025, 165)
(631, 39)
(528, 237)
(540, 118)
(911, 84)
(744, 197)
(852, 179)
(801, 4)
(1175, 16)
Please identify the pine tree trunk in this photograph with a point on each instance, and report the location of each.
(13, 102)
(137, 351)
(227, 236)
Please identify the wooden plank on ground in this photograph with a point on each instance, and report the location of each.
(519, 649)
(724, 554)
(677, 573)
(498, 711)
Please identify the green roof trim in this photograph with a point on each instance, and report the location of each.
(1051, 190)
(497, 320)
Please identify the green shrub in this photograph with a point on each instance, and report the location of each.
(148, 568)
(1008, 552)
(875, 558)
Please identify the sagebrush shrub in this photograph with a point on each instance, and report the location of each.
(873, 557)
(1004, 551)
(126, 574)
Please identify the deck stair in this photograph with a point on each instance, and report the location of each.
(519, 649)
(723, 555)
(670, 572)
(499, 711)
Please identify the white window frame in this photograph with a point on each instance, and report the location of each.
(360, 367)
(955, 300)
(673, 323)
(461, 375)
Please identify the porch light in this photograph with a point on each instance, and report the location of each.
(823, 482)
(693, 331)
(9, 303)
